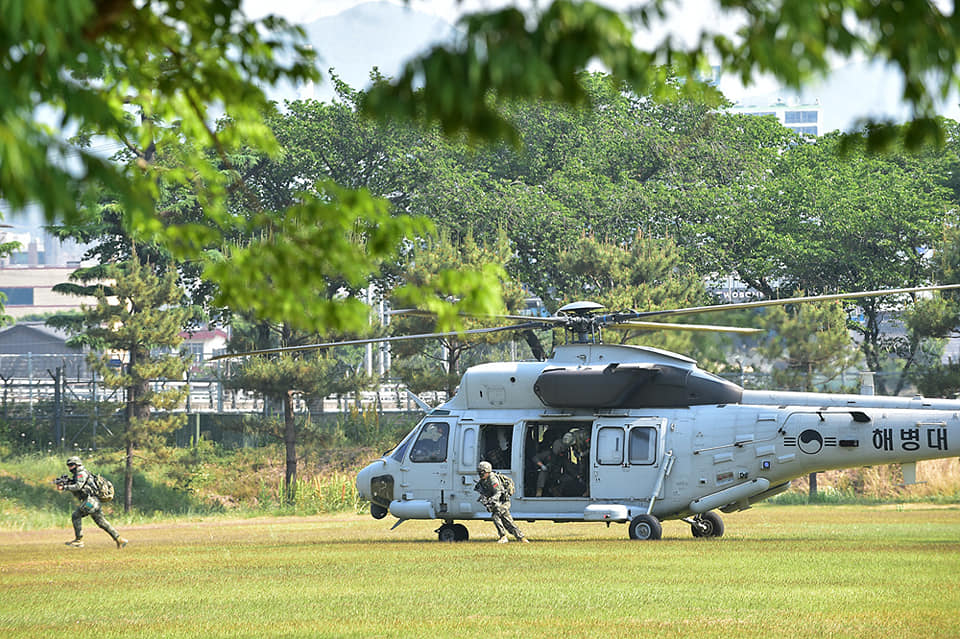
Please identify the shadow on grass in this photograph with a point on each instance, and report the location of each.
(30, 495)
(148, 497)
(158, 497)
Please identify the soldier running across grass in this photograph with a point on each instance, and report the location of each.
(497, 501)
(81, 485)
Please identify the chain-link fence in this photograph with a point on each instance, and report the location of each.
(55, 402)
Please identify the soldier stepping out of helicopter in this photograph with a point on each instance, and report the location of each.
(497, 500)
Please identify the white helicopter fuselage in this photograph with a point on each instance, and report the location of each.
(644, 435)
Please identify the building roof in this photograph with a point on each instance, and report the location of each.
(29, 350)
(35, 337)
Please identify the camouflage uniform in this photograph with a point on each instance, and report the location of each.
(82, 488)
(497, 501)
(558, 475)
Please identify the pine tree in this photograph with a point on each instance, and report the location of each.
(138, 317)
(438, 365)
(289, 376)
(813, 342)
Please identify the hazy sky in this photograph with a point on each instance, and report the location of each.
(687, 21)
(449, 10)
(300, 11)
(684, 24)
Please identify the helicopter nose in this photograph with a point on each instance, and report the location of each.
(366, 476)
(376, 485)
(363, 482)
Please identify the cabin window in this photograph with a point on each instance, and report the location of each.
(643, 445)
(610, 446)
(468, 447)
(556, 458)
(496, 445)
(431, 445)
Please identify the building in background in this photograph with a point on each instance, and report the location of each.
(806, 119)
(29, 290)
(31, 350)
(28, 274)
(203, 344)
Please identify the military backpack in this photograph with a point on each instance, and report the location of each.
(102, 487)
(507, 482)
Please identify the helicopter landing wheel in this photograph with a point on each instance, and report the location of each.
(645, 528)
(452, 532)
(709, 524)
(447, 532)
(377, 511)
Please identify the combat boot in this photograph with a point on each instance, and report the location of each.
(75, 543)
(502, 540)
(121, 542)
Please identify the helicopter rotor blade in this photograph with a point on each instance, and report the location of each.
(703, 328)
(550, 319)
(790, 300)
(583, 320)
(377, 340)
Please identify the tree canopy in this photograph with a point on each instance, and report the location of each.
(151, 76)
(795, 41)
(139, 316)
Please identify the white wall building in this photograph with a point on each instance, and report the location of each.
(803, 118)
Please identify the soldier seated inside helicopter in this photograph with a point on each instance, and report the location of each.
(431, 445)
(496, 445)
(557, 460)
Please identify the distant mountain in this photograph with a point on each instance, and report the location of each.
(374, 34)
(385, 35)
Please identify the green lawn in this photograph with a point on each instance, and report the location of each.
(796, 571)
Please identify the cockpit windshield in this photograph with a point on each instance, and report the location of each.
(431, 445)
(401, 448)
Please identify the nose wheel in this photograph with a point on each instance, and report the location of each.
(452, 532)
(708, 524)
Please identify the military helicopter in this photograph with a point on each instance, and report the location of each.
(630, 434)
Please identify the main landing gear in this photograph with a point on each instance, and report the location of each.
(450, 531)
(647, 527)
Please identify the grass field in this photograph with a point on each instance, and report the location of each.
(797, 571)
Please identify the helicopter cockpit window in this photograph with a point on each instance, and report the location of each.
(431, 445)
(610, 446)
(397, 453)
(643, 445)
(496, 445)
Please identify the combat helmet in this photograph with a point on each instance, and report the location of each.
(484, 467)
(74, 461)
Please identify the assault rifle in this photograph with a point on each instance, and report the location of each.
(63, 480)
(487, 502)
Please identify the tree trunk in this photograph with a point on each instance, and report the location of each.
(290, 441)
(128, 478)
(453, 360)
(137, 414)
(133, 397)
